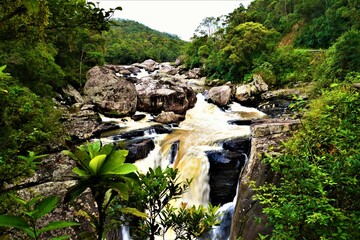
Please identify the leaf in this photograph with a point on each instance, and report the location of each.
(107, 149)
(16, 222)
(80, 172)
(70, 154)
(19, 200)
(96, 163)
(2, 68)
(94, 149)
(13, 221)
(114, 160)
(125, 169)
(122, 189)
(45, 206)
(76, 190)
(133, 211)
(57, 225)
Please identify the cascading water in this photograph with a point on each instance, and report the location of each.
(204, 129)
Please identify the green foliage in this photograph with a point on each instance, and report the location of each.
(327, 23)
(344, 55)
(28, 123)
(190, 223)
(104, 171)
(155, 190)
(240, 48)
(129, 42)
(33, 211)
(154, 194)
(288, 65)
(318, 194)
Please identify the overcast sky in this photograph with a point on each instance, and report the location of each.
(180, 17)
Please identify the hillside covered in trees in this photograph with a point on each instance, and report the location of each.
(129, 42)
(46, 45)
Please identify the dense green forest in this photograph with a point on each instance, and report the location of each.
(47, 44)
(129, 42)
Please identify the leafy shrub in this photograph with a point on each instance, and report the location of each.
(318, 194)
(344, 55)
(33, 211)
(28, 122)
(291, 66)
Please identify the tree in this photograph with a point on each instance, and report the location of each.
(244, 44)
(208, 26)
(155, 194)
(344, 55)
(104, 171)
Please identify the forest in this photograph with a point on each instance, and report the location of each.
(46, 45)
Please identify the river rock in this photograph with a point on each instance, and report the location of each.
(220, 95)
(123, 70)
(168, 69)
(71, 93)
(138, 149)
(267, 136)
(156, 96)
(249, 91)
(149, 65)
(112, 95)
(225, 167)
(194, 73)
(169, 117)
(81, 125)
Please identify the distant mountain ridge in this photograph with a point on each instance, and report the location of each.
(129, 41)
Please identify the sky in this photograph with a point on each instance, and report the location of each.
(179, 17)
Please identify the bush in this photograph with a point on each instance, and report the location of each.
(344, 55)
(28, 122)
(318, 196)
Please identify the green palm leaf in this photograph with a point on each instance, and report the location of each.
(80, 172)
(114, 160)
(124, 169)
(16, 222)
(57, 225)
(45, 206)
(96, 163)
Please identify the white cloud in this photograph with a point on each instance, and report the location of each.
(172, 16)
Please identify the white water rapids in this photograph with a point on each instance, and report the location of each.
(204, 127)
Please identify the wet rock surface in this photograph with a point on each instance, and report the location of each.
(225, 167)
(138, 149)
(169, 117)
(266, 139)
(220, 95)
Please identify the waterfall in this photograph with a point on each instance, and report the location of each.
(205, 127)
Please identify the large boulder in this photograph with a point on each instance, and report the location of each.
(248, 92)
(267, 136)
(220, 95)
(149, 65)
(169, 117)
(156, 96)
(194, 73)
(167, 68)
(72, 95)
(112, 95)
